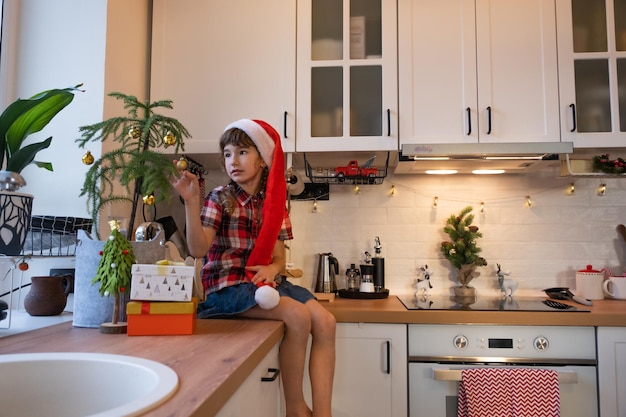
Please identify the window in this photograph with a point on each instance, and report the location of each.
(1, 7)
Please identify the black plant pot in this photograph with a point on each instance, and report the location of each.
(15, 213)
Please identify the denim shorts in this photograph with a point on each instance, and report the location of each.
(239, 298)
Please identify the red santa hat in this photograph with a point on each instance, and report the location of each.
(264, 136)
(267, 141)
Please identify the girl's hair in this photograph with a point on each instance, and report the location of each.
(237, 137)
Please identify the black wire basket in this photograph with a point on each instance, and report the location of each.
(54, 235)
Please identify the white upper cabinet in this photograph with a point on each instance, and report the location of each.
(347, 75)
(223, 61)
(478, 71)
(592, 71)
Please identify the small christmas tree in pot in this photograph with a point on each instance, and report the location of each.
(114, 274)
(462, 251)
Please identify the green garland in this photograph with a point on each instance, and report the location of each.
(603, 163)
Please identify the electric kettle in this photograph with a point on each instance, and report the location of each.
(327, 271)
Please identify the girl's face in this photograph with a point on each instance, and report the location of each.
(244, 165)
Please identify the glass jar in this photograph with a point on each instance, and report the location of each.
(353, 279)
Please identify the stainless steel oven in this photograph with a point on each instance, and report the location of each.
(438, 353)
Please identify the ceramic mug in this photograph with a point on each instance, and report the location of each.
(615, 287)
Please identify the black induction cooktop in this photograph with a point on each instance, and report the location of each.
(449, 302)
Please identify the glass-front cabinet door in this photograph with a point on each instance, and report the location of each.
(346, 75)
(592, 71)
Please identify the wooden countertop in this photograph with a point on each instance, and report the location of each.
(211, 363)
(219, 356)
(391, 310)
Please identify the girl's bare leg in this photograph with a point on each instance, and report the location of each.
(292, 354)
(322, 358)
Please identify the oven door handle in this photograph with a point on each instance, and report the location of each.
(565, 377)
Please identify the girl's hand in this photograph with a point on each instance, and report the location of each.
(264, 274)
(186, 184)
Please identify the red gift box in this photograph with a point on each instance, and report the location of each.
(153, 318)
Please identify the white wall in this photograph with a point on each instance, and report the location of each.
(50, 44)
(54, 44)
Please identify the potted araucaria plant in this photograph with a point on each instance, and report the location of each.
(135, 163)
(18, 121)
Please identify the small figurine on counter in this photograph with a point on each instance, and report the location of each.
(423, 303)
(423, 284)
(368, 257)
(507, 286)
(508, 303)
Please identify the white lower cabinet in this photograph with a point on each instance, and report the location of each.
(255, 396)
(612, 371)
(370, 372)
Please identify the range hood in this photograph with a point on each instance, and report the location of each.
(466, 158)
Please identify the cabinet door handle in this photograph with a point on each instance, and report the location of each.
(489, 120)
(274, 371)
(285, 125)
(388, 344)
(573, 108)
(469, 121)
(388, 122)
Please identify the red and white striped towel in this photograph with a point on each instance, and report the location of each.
(509, 392)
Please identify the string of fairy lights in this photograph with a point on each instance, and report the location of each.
(525, 199)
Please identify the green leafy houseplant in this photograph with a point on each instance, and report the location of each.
(24, 117)
(133, 163)
(18, 121)
(462, 249)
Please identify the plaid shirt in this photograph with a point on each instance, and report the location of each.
(236, 233)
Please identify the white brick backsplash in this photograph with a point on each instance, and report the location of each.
(542, 246)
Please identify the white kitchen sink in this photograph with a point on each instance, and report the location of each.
(82, 384)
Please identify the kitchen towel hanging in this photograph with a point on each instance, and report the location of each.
(510, 392)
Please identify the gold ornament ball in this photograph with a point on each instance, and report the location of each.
(134, 132)
(148, 199)
(182, 164)
(169, 139)
(88, 158)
